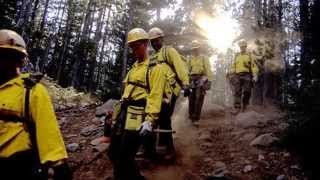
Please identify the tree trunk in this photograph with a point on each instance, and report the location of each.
(280, 13)
(62, 59)
(86, 24)
(126, 48)
(258, 11)
(34, 12)
(265, 13)
(97, 38)
(158, 14)
(305, 45)
(101, 56)
(53, 37)
(44, 16)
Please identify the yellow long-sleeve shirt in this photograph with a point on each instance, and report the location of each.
(153, 96)
(244, 62)
(13, 136)
(199, 65)
(175, 67)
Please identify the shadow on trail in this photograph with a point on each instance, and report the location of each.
(185, 144)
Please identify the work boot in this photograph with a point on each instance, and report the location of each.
(235, 111)
(105, 139)
(196, 123)
(192, 117)
(170, 155)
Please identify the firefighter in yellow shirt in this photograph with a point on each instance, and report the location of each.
(200, 78)
(176, 73)
(244, 72)
(30, 139)
(140, 108)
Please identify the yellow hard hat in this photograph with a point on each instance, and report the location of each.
(195, 44)
(242, 43)
(137, 34)
(155, 33)
(12, 40)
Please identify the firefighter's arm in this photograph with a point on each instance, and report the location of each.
(174, 58)
(254, 66)
(233, 66)
(154, 99)
(49, 139)
(116, 111)
(189, 65)
(208, 70)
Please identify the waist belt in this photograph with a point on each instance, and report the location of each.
(243, 73)
(140, 102)
(138, 85)
(11, 118)
(196, 76)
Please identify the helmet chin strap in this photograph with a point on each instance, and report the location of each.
(141, 58)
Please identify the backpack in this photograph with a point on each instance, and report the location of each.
(164, 54)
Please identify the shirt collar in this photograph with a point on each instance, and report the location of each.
(17, 81)
(143, 63)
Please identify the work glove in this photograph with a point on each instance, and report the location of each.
(62, 172)
(255, 78)
(146, 128)
(186, 92)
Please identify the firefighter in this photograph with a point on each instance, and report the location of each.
(243, 73)
(30, 139)
(200, 81)
(177, 77)
(140, 108)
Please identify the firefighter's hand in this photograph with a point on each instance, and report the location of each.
(146, 128)
(186, 92)
(255, 78)
(62, 172)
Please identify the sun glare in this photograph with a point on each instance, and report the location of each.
(220, 30)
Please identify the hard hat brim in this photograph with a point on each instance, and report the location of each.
(155, 37)
(134, 40)
(195, 47)
(19, 49)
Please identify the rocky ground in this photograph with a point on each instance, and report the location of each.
(67, 98)
(242, 147)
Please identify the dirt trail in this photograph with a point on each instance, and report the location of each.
(228, 143)
(186, 147)
(196, 157)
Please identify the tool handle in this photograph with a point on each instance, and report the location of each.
(164, 131)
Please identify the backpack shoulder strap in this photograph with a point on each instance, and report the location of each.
(204, 63)
(234, 60)
(151, 65)
(165, 57)
(29, 83)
